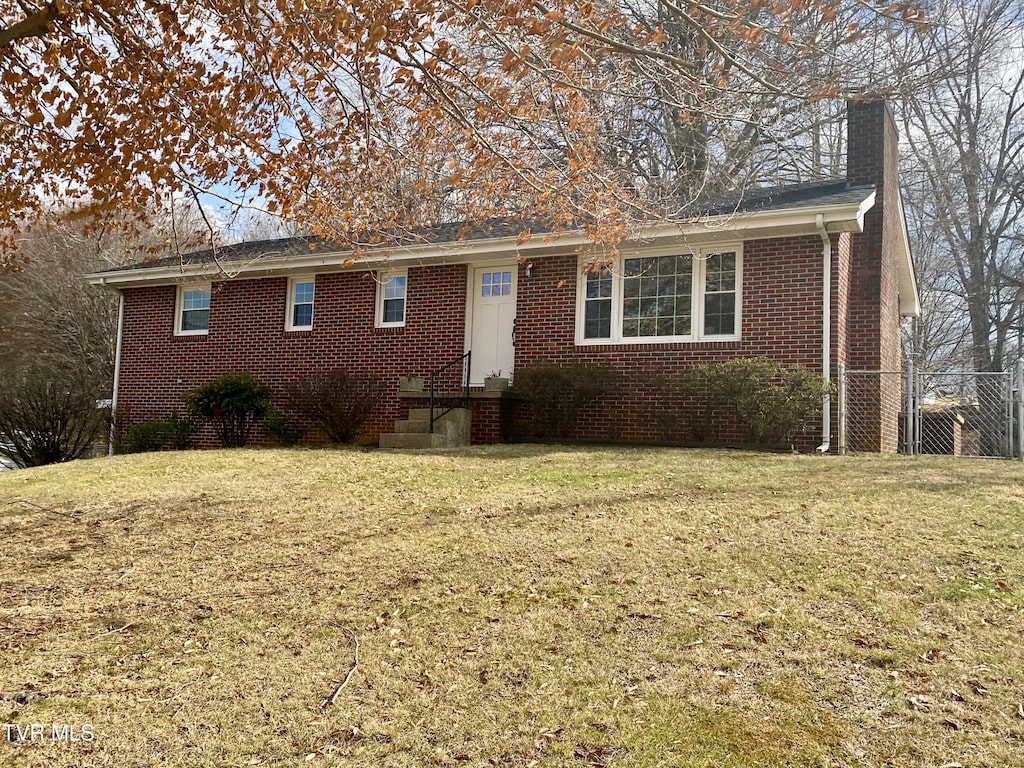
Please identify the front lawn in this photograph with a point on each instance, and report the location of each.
(512, 606)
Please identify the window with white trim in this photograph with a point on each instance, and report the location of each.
(192, 312)
(391, 297)
(662, 298)
(300, 304)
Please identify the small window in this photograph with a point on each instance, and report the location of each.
(391, 288)
(720, 295)
(193, 314)
(300, 304)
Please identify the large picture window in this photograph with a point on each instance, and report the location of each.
(192, 317)
(661, 298)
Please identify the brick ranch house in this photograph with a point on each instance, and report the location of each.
(815, 274)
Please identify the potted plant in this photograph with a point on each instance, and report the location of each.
(410, 383)
(495, 382)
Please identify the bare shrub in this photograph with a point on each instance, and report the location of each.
(556, 394)
(338, 402)
(771, 402)
(49, 416)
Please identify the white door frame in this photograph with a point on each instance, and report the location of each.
(471, 273)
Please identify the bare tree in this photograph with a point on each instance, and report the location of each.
(962, 123)
(57, 338)
(51, 318)
(117, 107)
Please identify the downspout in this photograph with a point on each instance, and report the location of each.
(117, 373)
(826, 333)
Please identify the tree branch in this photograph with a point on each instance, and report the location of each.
(33, 25)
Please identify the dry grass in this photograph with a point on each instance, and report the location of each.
(514, 606)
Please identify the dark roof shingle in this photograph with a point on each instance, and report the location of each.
(833, 192)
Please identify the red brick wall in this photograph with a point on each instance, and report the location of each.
(780, 318)
(247, 333)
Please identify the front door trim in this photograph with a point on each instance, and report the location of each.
(479, 362)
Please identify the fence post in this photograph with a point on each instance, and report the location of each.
(842, 409)
(1008, 383)
(908, 420)
(1020, 408)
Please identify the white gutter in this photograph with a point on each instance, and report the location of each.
(840, 217)
(117, 372)
(826, 334)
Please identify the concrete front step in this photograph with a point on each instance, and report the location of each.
(450, 430)
(413, 425)
(413, 440)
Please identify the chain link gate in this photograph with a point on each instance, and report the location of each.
(951, 413)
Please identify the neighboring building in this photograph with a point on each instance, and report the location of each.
(815, 274)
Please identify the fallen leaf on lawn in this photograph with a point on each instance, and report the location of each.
(920, 703)
(598, 757)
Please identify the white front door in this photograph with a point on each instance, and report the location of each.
(493, 321)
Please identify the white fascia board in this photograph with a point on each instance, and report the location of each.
(758, 225)
(910, 299)
(846, 217)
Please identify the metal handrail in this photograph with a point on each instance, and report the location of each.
(464, 360)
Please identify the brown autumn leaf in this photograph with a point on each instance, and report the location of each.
(328, 112)
(920, 703)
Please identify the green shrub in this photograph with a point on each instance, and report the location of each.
(234, 402)
(182, 428)
(339, 402)
(146, 436)
(175, 431)
(772, 403)
(280, 428)
(556, 394)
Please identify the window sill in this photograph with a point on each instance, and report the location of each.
(647, 343)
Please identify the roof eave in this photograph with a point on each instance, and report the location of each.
(756, 225)
(910, 298)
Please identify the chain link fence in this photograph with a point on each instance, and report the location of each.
(870, 404)
(951, 413)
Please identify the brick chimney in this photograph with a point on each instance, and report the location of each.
(873, 320)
